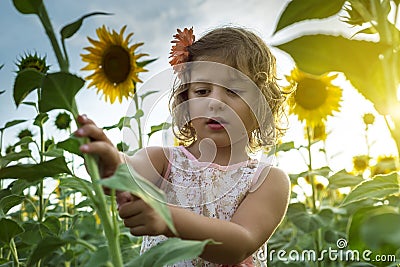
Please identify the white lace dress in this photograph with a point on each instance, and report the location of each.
(208, 189)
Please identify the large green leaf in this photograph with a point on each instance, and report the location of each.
(45, 248)
(304, 220)
(59, 90)
(299, 10)
(382, 230)
(358, 60)
(170, 251)
(343, 179)
(379, 187)
(71, 145)
(127, 179)
(14, 156)
(70, 29)
(360, 226)
(26, 81)
(28, 7)
(33, 172)
(8, 202)
(9, 229)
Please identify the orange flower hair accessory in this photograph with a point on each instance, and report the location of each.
(179, 52)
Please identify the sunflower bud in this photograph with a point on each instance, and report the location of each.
(369, 118)
(33, 61)
(25, 133)
(63, 121)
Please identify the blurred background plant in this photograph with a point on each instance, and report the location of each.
(359, 207)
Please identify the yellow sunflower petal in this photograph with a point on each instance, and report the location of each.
(315, 97)
(114, 63)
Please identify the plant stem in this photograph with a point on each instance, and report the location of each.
(135, 98)
(14, 252)
(111, 230)
(45, 20)
(312, 181)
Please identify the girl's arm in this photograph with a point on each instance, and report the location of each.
(253, 223)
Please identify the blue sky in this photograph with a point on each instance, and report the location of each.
(154, 23)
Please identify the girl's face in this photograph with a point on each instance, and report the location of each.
(219, 102)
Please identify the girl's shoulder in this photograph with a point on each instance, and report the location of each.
(157, 156)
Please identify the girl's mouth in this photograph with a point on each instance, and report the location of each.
(216, 123)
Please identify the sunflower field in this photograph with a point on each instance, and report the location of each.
(336, 217)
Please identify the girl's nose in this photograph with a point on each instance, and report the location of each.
(216, 99)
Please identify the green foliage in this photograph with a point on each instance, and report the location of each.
(299, 10)
(170, 251)
(126, 178)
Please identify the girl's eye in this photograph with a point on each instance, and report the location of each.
(201, 91)
(233, 92)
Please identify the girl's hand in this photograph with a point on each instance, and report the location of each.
(141, 219)
(100, 145)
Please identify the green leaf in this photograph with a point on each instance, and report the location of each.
(139, 113)
(8, 202)
(343, 179)
(304, 220)
(358, 60)
(98, 258)
(33, 172)
(2, 92)
(26, 81)
(28, 7)
(358, 219)
(45, 248)
(143, 63)
(382, 231)
(59, 90)
(40, 119)
(379, 187)
(14, 156)
(9, 229)
(170, 251)
(123, 122)
(71, 145)
(127, 179)
(300, 10)
(12, 123)
(28, 103)
(77, 184)
(53, 224)
(159, 127)
(70, 29)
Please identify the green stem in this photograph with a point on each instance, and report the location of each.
(110, 229)
(312, 181)
(86, 244)
(138, 121)
(45, 20)
(14, 252)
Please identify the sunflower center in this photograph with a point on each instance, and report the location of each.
(116, 64)
(311, 93)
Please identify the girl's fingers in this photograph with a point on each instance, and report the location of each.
(103, 150)
(132, 208)
(93, 132)
(83, 119)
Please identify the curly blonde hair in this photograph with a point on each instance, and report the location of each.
(245, 51)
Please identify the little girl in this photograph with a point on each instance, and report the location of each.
(214, 189)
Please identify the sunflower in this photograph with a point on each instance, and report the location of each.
(32, 61)
(114, 63)
(360, 163)
(63, 121)
(315, 97)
